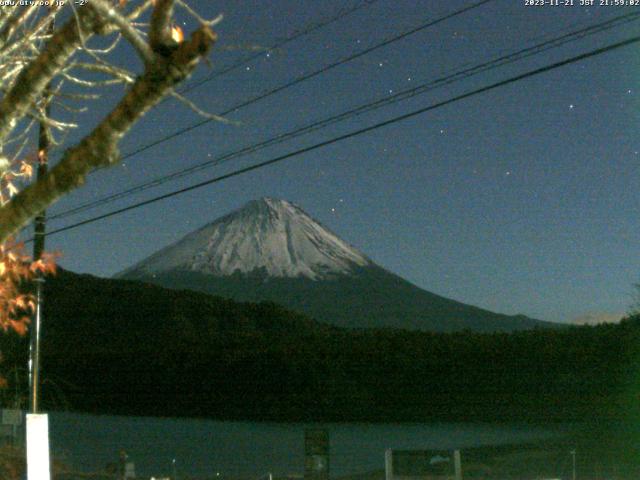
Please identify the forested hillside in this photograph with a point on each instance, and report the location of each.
(114, 346)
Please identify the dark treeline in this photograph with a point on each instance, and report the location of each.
(114, 346)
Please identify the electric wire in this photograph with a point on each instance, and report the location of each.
(361, 131)
(294, 36)
(364, 108)
(308, 76)
(280, 43)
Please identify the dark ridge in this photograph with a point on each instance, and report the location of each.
(125, 347)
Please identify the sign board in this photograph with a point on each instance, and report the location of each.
(411, 464)
(316, 454)
(11, 417)
(129, 470)
(38, 447)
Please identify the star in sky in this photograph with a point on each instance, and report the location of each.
(481, 143)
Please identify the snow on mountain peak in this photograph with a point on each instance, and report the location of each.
(271, 236)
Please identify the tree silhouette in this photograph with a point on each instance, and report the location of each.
(53, 58)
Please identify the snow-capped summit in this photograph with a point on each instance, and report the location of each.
(271, 250)
(268, 236)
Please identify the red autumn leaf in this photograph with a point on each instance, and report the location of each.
(19, 326)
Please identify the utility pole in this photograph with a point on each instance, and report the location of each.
(44, 143)
(38, 459)
(37, 425)
(573, 456)
(38, 247)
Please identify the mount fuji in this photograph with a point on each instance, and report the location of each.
(272, 237)
(271, 250)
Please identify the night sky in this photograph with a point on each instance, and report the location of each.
(519, 200)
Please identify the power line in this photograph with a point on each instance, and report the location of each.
(298, 80)
(294, 36)
(369, 106)
(305, 31)
(355, 133)
(309, 76)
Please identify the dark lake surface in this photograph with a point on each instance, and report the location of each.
(206, 447)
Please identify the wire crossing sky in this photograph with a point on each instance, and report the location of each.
(386, 100)
(519, 200)
(349, 135)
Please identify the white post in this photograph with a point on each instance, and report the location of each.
(388, 464)
(457, 461)
(38, 467)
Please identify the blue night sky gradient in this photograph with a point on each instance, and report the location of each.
(519, 200)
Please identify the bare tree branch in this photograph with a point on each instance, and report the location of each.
(201, 20)
(136, 12)
(34, 78)
(199, 111)
(159, 33)
(100, 147)
(109, 13)
(6, 12)
(19, 17)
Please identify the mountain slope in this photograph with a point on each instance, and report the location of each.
(272, 250)
(368, 298)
